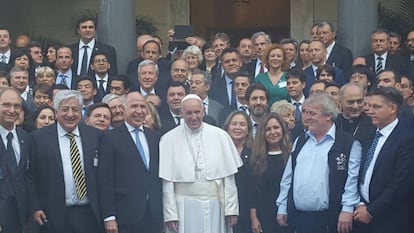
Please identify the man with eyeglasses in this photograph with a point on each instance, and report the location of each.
(62, 180)
(13, 161)
(100, 66)
(353, 119)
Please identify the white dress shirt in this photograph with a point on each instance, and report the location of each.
(385, 132)
(15, 141)
(71, 197)
(90, 45)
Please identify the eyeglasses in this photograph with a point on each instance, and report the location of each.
(100, 61)
(8, 106)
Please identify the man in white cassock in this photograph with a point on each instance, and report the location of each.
(197, 164)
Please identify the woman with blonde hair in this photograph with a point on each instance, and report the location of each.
(275, 79)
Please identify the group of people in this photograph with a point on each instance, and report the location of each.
(265, 137)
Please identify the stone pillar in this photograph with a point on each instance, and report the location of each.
(116, 26)
(301, 19)
(179, 12)
(357, 19)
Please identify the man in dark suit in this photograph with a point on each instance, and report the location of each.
(260, 42)
(317, 52)
(133, 64)
(200, 84)
(5, 50)
(337, 55)
(62, 179)
(86, 28)
(222, 88)
(64, 74)
(13, 161)
(386, 179)
(19, 79)
(170, 113)
(410, 55)
(129, 188)
(100, 66)
(380, 59)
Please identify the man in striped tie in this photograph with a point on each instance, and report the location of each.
(62, 171)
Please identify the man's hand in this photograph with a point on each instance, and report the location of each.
(282, 220)
(231, 220)
(111, 226)
(345, 222)
(172, 226)
(256, 226)
(361, 214)
(40, 217)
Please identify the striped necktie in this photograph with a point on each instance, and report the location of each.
(77, 169)
(379, 66)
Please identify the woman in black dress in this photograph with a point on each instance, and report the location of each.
(239, 128)
(270, 151)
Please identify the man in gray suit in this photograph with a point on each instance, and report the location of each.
(200, 85)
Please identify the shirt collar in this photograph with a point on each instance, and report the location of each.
(144, 93)
(98, 78)
(386, 131)
(90, 45)
(330, 134)
(62, 132)
(301, 100)
(131, 128)
(4, 132)
(329, 48)
(68, 73)
(384, 56)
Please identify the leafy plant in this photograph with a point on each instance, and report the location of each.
(144, 25)
(400, 20)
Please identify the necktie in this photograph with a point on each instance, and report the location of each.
(379, 65)
(297, 111)
(177, 120)
(10, 153)
(243, 108)
(84, 112)
(261, 71)
(84, 67)
(77, 170)
(63, 79)
(370, 154)
(233, 95)
(3, 58)
(140, 147)
(101, 89)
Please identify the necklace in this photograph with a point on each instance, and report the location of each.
(194, 156)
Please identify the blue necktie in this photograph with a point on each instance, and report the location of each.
(370, 154)
(140, 147)
(297, 111)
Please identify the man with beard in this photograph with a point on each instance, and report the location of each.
(353, 119)
(410, 49)
(257, 100)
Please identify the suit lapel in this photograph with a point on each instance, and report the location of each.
(56, 149)
(136, 156)
(23, 149)
(387, 147)
(87, 149)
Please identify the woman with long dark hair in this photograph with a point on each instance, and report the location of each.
(271, 148)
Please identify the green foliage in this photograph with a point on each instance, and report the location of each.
(144, 25)
(400, 21)
(44, 40)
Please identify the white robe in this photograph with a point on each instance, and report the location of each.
(199, 195)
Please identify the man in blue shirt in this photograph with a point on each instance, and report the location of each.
(318, 190)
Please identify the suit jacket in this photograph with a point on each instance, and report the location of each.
(341, 57)
(14, 183)
(164, 75)
(99, 47)
(124, 181)
(46, 179)
(250, 68)
(98, 98)
(410, 67)
(218, 91)
(311, 78)
(392, 183)
(393, 61)
(214, 109)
